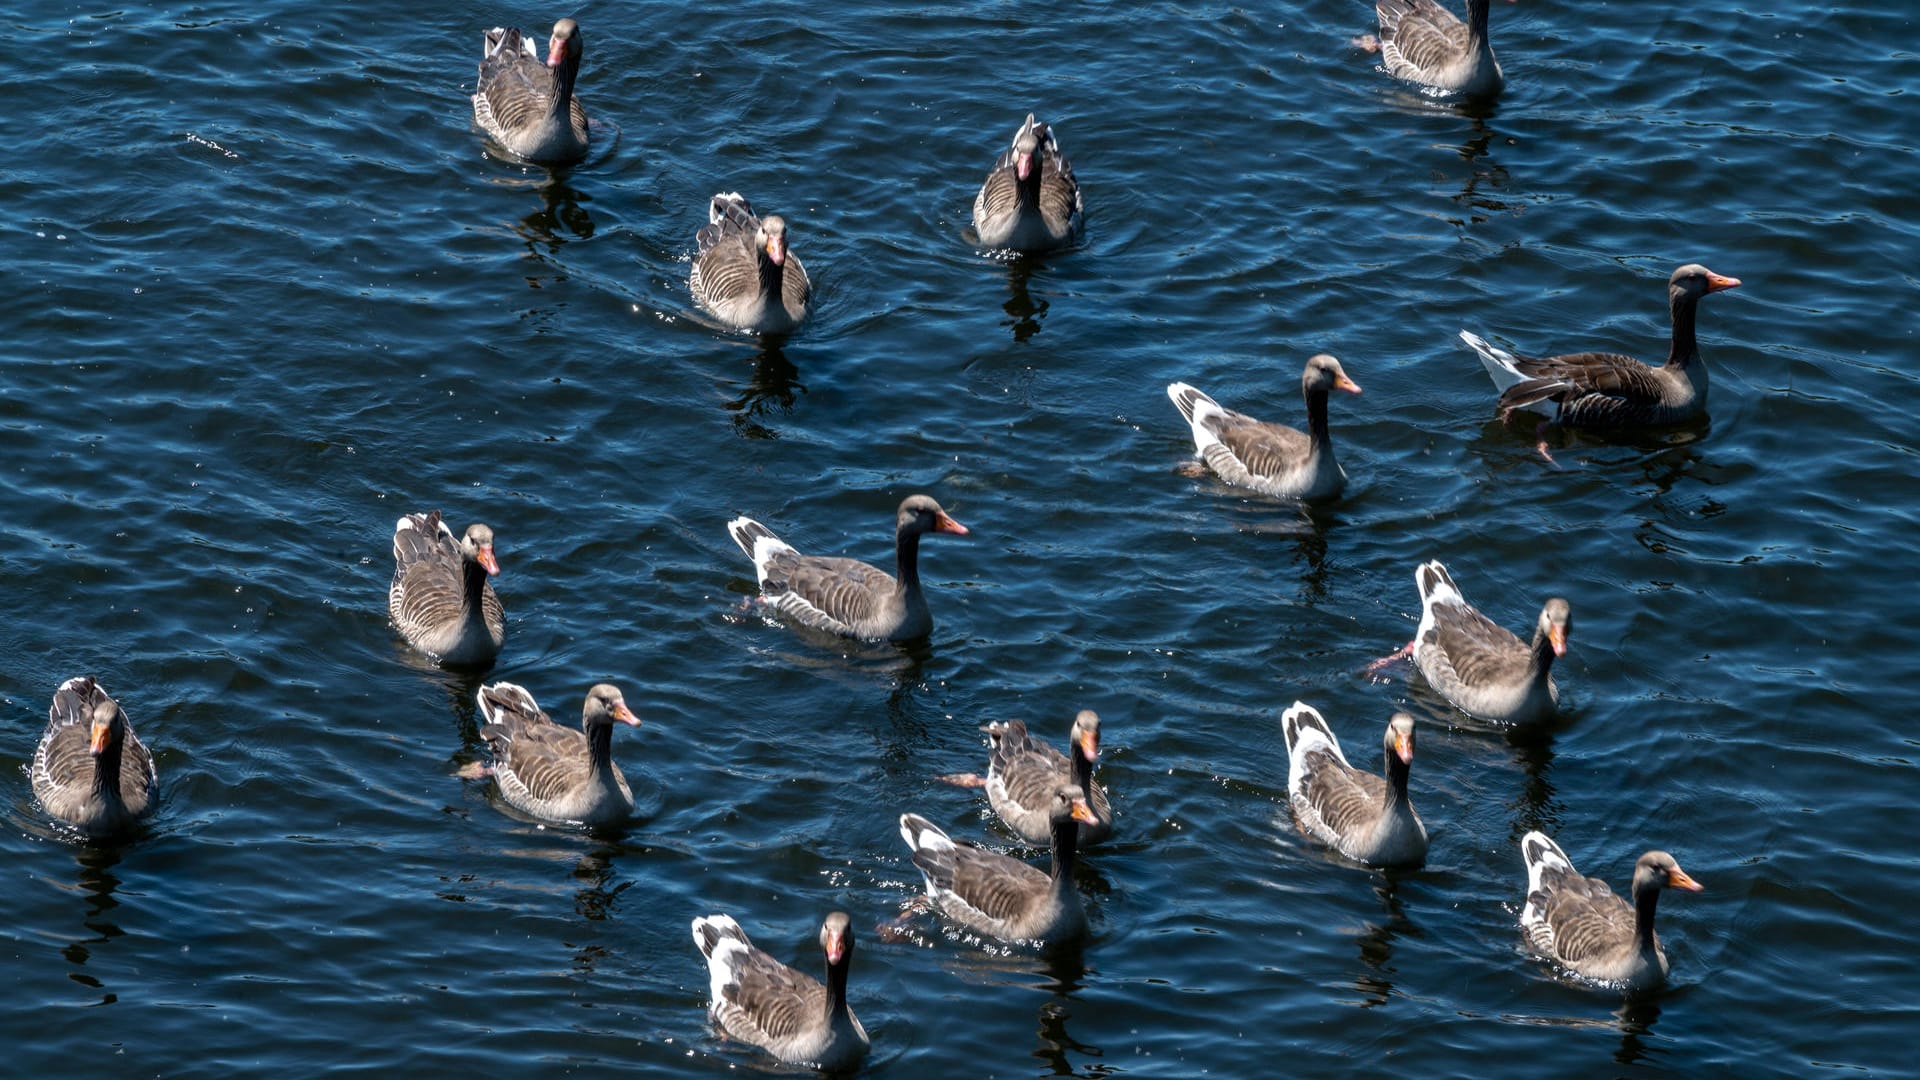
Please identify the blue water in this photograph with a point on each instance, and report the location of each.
(268, 291)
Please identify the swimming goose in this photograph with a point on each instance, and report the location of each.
(999, 895)
(525, 101)
(1030, 201)
(844, 596)
(1479, 665)
(787, 1013)
(1023, 774)
(1271, 458)
(440, 599)
(1608, 390)
(90, 770)
(1359, 814)
(555, 772)
(1578, 923)
(1422, 42)
(743, 272)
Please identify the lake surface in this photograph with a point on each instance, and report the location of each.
(267, 291)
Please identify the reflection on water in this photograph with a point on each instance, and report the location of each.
(772, 388)
(1535, 807)
(97, 883)
(1023, 312)
(1636, 1017)
(599, 891)
(1375, 981)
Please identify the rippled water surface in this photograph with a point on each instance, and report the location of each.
(267, 290)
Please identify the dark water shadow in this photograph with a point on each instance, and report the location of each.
(561, 217)
(1535, 807)
(1374, 983)
(1636, 1017)
(1024, 313)
(771, 389)
(96, 883)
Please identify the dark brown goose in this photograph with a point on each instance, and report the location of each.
(743, 272)
(1271, 458)
(845, 596)
(90, 770)
(999, 895)
(787, 1013)
(1023, 774)
(525, 101)
(1364, 816)
(555, 772)
(1578, 923)
(1608, 390)
(1481, 666)
(1422, 42)
(1030, 200)
(440, 599)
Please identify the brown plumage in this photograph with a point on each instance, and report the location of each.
(1364, 816)
(1481, 666)
(440, 599)
(1030, 200)
(1271, 458)
(1608, 390)
(999, 895)
(1580, 924)
(789, 1014)
(1023, 775)
(554, 772)
(525, 101)
(1422, 42)
(845, 596)
(90, 769)
(743, 271)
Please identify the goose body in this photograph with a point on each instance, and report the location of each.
(557, 773)
(1607, 390)
(996, 894)
(1362, 815)
(440, 599)
(1579, 924)
(1030, 200)
(1479, 665)
(1423, 42)
(1271, 458)
(845, 596)
(1023, 774)
(524, 98)
(743, 272)
(789, 1014)
(90, 770)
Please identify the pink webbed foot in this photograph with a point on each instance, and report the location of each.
(1399, 654)
(963, 779)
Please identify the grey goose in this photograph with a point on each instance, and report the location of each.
(1423, 42)
(1483, 668)
(997, 894)
(440, 599)
(1579, 924)
(1272, 459)
(787, 1013)
(1023, 774)
(552, 772)
(1029, 200)
(743, 271)
(90, 770)
(525, 100)
(845, 596)
(1364, 816)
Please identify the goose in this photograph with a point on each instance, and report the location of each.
(787, 1013)
(1422, 42)
(997, 894)
(1362, 816)
(1271, 458)
(1030, 201)
(553, 772)
(1607, 390)
(526, 101)
(440, 599)
(90, 770)
(743, 272)
(1479, 665)
(1578, 923)
(1023, 774)
(844, 596)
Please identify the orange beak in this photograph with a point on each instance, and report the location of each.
(836, 946)
(945, 524)
(1341, 382)
(100, 733)
(556, 51)
(1024, 166)
(1557, 637)
(1083, 813)
(486, 560)
(1403, 748)
(625, 715)
(1678, 878)
(777, 249)
(1716, 282)
(1090, 745)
